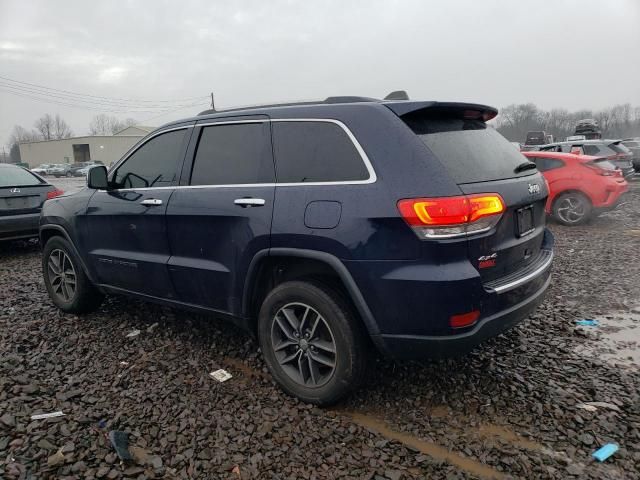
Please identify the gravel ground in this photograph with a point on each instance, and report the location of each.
(508, 410)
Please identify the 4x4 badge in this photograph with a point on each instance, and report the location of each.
(534, 188)
(15, 190)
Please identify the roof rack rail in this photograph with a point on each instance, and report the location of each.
(397, 95)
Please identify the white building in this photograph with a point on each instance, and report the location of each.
(104, 148)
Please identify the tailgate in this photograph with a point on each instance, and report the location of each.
(517, 238)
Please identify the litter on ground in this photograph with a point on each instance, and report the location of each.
(42, 416)
(220, 375)
(133, 333)
(587, 323)
(605, 452)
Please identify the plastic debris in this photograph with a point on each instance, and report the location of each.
(593, 406)
(220, 375)
(587, 323)
(102, 423)
(605, 452)
(120, 442)
(42, 416)
(151, 328)
(133, 333)
(124, 364)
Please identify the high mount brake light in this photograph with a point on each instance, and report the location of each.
(54, 193)
(448, 217)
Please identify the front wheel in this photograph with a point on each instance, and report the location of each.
(313, 344)
(68, 286)
(572, 208)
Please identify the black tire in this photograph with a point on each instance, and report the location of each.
(69, 174)
(572, 208)
(337, 323)
(84, 297)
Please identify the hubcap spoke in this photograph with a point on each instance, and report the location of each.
(303, 344)
(62, 275)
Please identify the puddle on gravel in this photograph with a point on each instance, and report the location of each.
(510, 437)
(425, 447)
(616, 339)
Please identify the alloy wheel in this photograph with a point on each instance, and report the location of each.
(62, 275)
(571, 209)
(303, 344)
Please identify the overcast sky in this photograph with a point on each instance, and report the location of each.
(562, 53)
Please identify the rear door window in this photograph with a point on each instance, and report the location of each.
(469, 149)
(154, 164)
(546, 164)
(316, 152)
(235, 154)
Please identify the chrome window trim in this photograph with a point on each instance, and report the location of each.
(363, 156)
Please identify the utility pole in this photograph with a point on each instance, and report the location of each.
(213, 107)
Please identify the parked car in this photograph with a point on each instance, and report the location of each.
(535, 138)
(633, 144)
(61, 170)
(22, 194)
(42, 169)
(589, 128)
(617, 153)
(580, 186)
(322, 228)
(81, 169)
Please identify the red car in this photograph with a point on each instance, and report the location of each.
(580, 186)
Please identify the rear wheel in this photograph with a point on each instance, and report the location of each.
(572, 208)
(312, 343)
(67, 284)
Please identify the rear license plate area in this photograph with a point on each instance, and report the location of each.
(18, 203)
(525, 221)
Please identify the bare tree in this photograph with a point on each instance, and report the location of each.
(44, 125)
(19, 135)
(103, 124)
(60, 128)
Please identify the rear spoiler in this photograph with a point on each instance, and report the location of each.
(464, 110)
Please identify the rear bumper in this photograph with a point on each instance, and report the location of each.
(415, 346)
(412, 304)
(614, 198)
(19, 226)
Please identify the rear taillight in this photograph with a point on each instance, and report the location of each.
(448, 217)
(602, 171)
(54, 193)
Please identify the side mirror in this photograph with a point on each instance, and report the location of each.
(97, 178)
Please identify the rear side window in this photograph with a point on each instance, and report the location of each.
(233, 155)
(154, 164)
(619, 148)
(469, 150)
(316, 152)
(546, 164)
(17, 177)
(590, 149)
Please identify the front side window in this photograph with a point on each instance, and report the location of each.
(154, 164)
(235, 154)
(315, 152)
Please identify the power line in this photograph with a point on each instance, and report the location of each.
(114, 99)
(93, 107)
(47, 95)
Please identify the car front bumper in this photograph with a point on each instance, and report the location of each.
(19, 226)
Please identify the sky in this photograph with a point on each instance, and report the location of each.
(162, 59)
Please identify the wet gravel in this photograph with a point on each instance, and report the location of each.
(508, 410)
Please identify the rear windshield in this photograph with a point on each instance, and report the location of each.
(536, 138)
(605, 164)
(17, 177)
(469, 150)
(619, 148)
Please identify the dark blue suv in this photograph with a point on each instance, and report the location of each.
(323, 228)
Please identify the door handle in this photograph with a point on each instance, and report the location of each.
(249, 202)
(151, 202)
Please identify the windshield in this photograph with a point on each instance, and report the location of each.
(17, 177)
(469, 150)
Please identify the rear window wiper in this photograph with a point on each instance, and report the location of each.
(525, 166)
